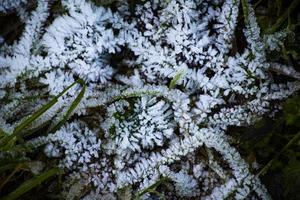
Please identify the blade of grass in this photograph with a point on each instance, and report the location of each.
(10, 166)
(269, 164)
(151, 188)
(257, 3)
(283, 17)
(133, 94)
(42, 110)
(30, 184)
(151, 191)
(2, 133)
(10, 175)
(8, 139)
(70, 110)
(176, 79)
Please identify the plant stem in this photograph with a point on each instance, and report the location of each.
(283, 18)
(10, 139)
(257, 3)
(10, 176)
(30, 184)
(269, 164)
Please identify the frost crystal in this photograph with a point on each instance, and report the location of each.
(131, 130)
(148, 126)
(82, 41)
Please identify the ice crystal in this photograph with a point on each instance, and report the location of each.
(131, 130)
(148, 126)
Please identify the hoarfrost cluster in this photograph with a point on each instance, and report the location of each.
(163, 85)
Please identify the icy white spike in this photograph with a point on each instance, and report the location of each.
(285, 70)
(19, 62)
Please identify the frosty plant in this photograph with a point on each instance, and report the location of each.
(160, 83)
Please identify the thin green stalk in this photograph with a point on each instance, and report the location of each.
(134, 94)
(269, 164)
(245, 10)
(283, 17)
(10, 175)
(279, 6)
(176, 79)
(2, 133)
(151, 191)
(3, 168)
(41, 111)
(71, 109)
(9, 140)
(30, 184)
(257, 3)
(151, 188)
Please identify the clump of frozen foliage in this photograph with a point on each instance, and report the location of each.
(7, 5)
(149, 124)
(164, 83)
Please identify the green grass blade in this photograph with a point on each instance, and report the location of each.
(282, 19)
(2, 133)
(151, 189)
(30, 184)
(41, 111)
(176, 79)
(8, 139)
(269, 164)
(9, 166)
(133, 95)
(70, 110)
